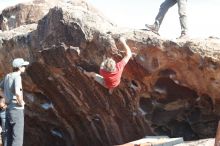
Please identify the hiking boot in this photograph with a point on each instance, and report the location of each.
(154, 28)
(183, 36)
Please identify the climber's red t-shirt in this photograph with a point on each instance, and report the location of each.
(112, 79)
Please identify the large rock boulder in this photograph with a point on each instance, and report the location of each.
(167, 88)
(26, 13)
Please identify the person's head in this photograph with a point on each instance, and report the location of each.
(19, 64)
(108, 65)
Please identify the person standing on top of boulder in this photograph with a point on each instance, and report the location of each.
(110, 71)
(13, 92)
(164, 7)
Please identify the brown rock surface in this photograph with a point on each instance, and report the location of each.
(168, 88)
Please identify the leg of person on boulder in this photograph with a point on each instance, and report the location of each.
(164, 7)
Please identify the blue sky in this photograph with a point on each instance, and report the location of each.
(203, 15)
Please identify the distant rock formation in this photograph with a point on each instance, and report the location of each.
(4, 24)
(27, 13)
(168, 88)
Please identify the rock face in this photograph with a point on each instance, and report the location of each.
(27, 13)
(167, 88)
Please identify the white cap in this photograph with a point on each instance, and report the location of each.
(19, 62)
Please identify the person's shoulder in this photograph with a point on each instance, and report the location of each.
(6, 76)
(15, 75)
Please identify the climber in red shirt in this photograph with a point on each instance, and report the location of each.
(110, 72)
